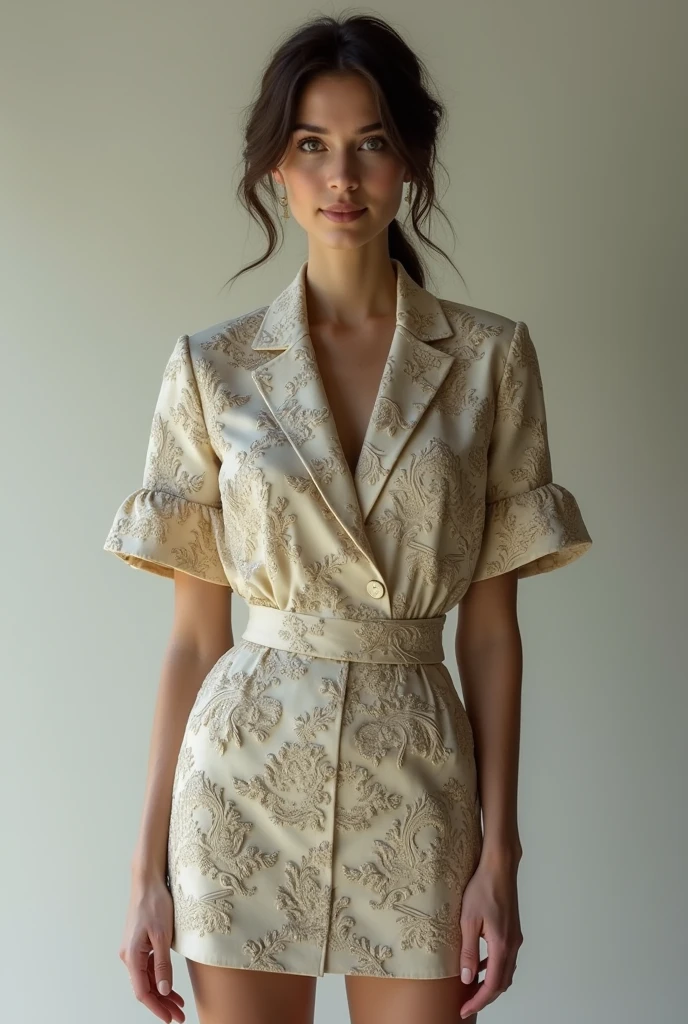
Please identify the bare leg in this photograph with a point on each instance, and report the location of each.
(408, 1000)
(234, 995)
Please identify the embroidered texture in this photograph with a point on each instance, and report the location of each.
(325, 814)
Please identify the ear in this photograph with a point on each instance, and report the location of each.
(277, 175)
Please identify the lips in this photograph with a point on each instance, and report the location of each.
(341, 217)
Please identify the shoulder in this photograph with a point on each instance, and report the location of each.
(482, 334)
(468, 319)
(235, 333)
(471, 323)
(221, 353)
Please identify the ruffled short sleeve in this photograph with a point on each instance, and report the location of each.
(531, 523)
(174, 520)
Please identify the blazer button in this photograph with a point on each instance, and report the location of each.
(376, 589)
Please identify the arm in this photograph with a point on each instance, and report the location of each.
(489, 658)
(532, 525)
(172, 526)
(201, 632)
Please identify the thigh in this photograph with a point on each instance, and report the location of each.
(235, 995)
(407, 1000)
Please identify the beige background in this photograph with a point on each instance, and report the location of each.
(566, 150)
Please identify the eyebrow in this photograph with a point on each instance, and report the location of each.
(323, 131)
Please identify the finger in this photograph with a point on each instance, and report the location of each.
(474, 987)
(171, 1002)
(154, 1003)
(162, 964)
(470, 949)
(143, 986)
(142, 990)
(174, 1010)
(490, 987)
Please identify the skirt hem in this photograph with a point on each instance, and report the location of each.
(213, 962)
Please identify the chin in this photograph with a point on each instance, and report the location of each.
(344, 243)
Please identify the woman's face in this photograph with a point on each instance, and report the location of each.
(333, 161)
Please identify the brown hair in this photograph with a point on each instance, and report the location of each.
(411, 116)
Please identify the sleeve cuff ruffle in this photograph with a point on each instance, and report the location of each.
(160, 532)
(535, 531)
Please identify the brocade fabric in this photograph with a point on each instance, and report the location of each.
(325, 812)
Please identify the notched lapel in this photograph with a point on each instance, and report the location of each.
(291, 386)
(411, 379)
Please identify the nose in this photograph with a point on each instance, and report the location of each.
(343, 173)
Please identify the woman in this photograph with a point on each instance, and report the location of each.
(354, 459)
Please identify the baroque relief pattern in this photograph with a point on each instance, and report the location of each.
(325, 814)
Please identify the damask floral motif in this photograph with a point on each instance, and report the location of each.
(370, 958)
(403, 722)
(216, 851)
(231, 703)
(294, 787)
(372, 797)
(402, 868)
(305, 903)
(325, 808)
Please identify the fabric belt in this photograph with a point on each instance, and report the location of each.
(391, 641)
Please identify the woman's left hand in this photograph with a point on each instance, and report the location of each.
(490, 908)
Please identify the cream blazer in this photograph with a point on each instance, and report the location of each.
(325, 810)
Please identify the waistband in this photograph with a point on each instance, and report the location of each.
(391, 641)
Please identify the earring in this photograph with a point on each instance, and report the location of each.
(284, 203)
(408, 193)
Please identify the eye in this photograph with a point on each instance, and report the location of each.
(300, 145)
(377, 138)
(372, 138)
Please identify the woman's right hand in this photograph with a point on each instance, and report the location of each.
(145, 949)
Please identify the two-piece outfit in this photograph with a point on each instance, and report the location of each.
(325, 814)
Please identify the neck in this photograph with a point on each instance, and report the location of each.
(348, 288)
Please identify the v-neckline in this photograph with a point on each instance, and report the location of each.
(291, 386)
(354, 474)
